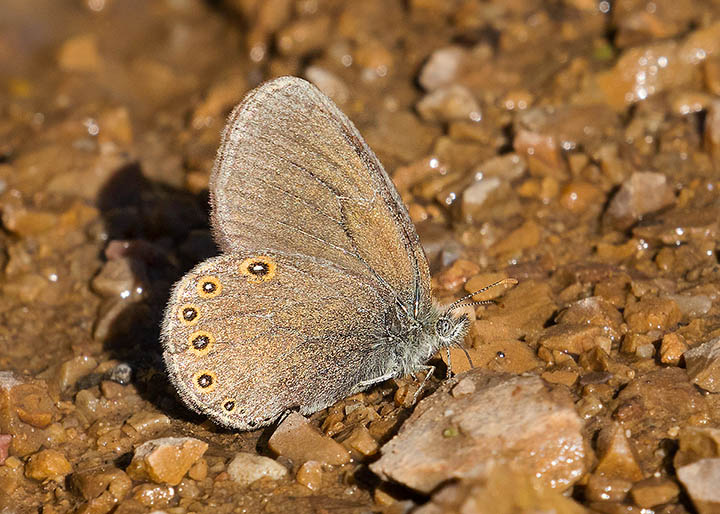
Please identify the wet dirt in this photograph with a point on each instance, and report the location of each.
(573, 146)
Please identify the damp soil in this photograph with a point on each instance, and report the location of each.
(573, 146)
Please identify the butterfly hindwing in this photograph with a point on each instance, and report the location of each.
(248, 336)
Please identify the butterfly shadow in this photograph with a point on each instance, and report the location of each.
(155, 234)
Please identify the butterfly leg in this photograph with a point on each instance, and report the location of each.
(449, 363)
(367, 383)
(429, 370)
(281, 417)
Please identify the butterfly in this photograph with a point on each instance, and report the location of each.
(322, 288)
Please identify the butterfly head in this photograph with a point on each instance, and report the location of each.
(450, 329)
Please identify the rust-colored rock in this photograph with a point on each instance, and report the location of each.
(74, 369)
(524, 237)
(703, 365)
(310, 475)
(48, 464)
(578, 197)
(695, 443)
(594, 311)
(102, 487)
(654, 491)
(575, 339)
(80, 53)
(672, 348)
(147, 422)
(165, 460)
(455, 277)
(617, 456)
(561, 375)
(508, 355)
(450, 103)
(362, 442)
(602, 488)
(26, 409)
(652, 314)
(299, 441)
(652, 407)
(528, 306)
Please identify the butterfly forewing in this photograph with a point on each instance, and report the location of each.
(294, 174)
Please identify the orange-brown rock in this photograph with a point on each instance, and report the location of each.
(299, 441)
(165, 460)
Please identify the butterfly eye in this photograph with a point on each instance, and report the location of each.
(443, 327)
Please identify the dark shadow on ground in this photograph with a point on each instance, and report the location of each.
(162, 232)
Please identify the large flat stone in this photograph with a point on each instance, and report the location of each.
(482, 419)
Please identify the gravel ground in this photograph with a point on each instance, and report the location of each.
(572, 145)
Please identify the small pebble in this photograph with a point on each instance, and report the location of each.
(701, 480)
(654, 491)
(74, 369)
(148, 421)
(617, 458)
(48, 464)
(703, 365)
(80, 54)
(449, 103)
(672, 348)
(303, 36)
(199, 470)
(166, 460)
(652, 314)
(442, 67)
(310, 475)
(601, 488)
(362, 442)
(697, 443)
(246, 468)
(153, 495)
(641, 194)
(455, 277)
(299, 441)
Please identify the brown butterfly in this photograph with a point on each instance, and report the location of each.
(322, 288)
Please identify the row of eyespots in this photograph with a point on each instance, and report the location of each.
(206, 381)
(257, 269)
(207, 287)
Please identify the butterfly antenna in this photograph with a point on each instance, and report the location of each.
(461, 302)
